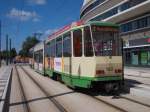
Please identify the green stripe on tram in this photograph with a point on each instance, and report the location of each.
(81, 81)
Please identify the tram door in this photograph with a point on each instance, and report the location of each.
(77, 52)
(67, 53)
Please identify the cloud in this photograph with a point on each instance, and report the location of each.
(36, 2)
(36, 19)
(43, 35)
(23, 15)
(50, 31)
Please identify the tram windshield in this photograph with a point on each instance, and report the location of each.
(106, 41)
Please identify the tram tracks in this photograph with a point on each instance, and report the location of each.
(55, 102)
(122, 108)
(123, 103)
(144, 104)
(114, 106)
(117, 98)
(62, 108)
(26, 106)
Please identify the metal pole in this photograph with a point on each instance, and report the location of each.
(10, 50)
(0, 43)
(6, 49)
(44, 56)
(122, 60)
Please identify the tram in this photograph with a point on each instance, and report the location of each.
(84, 55)
(38, 58)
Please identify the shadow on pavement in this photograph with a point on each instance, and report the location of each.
(125, 89)
(40, 98)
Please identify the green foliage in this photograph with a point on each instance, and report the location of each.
(27, 44)
(11, 53)
(4, 54)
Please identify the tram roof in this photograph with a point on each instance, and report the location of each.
(76, 25)
(38, 46)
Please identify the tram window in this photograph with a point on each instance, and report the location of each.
(106, 41)
(67, 45)
(59, 47)
(36, 56)
(99, 46)
(52, 48)
(41, 56)
(47, 50)
(77, 43)
(88, 50)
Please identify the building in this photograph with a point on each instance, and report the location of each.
(133, 16)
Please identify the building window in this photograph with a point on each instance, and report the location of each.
(135, 2)
(88, 49)
(91, 6)
(148, 20)
(136, 24)
(67, 45)
(118, 9)
(124, 6)
(77, 43)
(142, 23)
(59, 47)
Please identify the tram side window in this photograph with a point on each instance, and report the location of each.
(67, 45)
(52, 48)
(47, 50)
(36, 56)
(77, 43)
(41, 56)
(59, 47)
(88, 49)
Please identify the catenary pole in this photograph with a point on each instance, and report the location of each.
(0, 43)
(6, 49)
(10, 50)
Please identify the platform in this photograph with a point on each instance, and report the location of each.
(5, 76)
(137, 71)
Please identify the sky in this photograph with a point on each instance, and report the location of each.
(23, 18)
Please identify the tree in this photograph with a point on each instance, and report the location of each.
(4, 54)
(13, 53)
(27, 44)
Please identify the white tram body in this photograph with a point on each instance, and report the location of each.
(84, 55)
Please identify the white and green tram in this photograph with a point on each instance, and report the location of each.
(85, 55)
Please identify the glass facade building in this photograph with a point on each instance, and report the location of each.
(133, 16)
